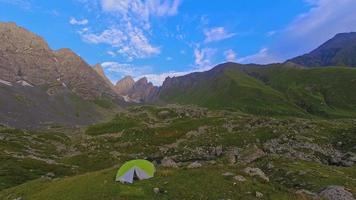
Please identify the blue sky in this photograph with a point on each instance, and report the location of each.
(159, 38)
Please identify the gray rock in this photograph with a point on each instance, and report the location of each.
(156, 190)
(239, 178)
(168, 162)
(227, 174)
(259, 194)
(256, 172)
(194, 165)
(251, 154)
(336, 193)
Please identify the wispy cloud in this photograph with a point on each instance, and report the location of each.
(129, 32)
(324, 19)
(217, 34)
(203, 57)
(263, 56)
(75, 21)
(25, 4)
(131, 43)
(230, 55)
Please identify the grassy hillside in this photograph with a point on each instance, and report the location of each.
(83, 163)
(203, 183)
(323, 92)
(268, 90)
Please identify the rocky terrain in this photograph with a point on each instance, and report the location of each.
(40, 86)
(279, 131)
(25, 56)
(249, 157)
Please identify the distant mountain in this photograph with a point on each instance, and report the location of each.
(338, 51)
(39, 85)
(124, 85)
(279, 89)
(141, 91)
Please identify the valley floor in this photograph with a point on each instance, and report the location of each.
(199, 154)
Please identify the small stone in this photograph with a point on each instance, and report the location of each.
(227, 174)
(259, 194)
(256, 172)
(194, 165)
(168, 162)
(156, 190)
(239, 178)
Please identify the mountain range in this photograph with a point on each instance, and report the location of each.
(62, 88)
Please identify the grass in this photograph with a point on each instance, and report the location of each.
(117, 125)
(276, 90)
(204, 183)
(88, 156)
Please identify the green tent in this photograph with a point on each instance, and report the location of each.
(140, 169)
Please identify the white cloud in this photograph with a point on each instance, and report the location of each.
(217, 34)
(130, 29)
(75, 21)
(264, 56)
(131, 43)
(25, 4)
(324, 20)
(145, 9)
(158, 79)
(230, 55)
(111, 53)
(203, 57)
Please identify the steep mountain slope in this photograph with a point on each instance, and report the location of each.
(338, 51)
(273, 89)
(40, 86)
(26, 56)
(99, 69)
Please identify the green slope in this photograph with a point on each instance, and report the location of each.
(229, 88)
(268, 90)
(327, 92)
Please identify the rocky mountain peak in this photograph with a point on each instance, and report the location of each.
(15, 38)
(338, 51)
(124, 85)
(25, 56)
(139, 91)
(142, 81)
(99, 69)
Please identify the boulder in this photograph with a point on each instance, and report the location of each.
(256, 172)
(239, 178)
(336, 193)
(168, 162)
(194, 165)
(259, 194)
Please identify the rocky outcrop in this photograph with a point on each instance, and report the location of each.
(124, 86)
(26, 57)
(140, 91)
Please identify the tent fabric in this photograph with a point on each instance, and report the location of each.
(142, 169)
